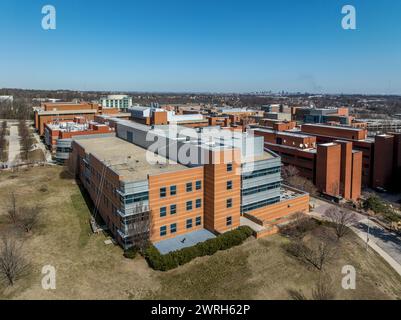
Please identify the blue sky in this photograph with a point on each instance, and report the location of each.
(188, 45)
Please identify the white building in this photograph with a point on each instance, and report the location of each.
(116, 101)
(6, 98)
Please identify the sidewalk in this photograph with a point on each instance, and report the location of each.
(387, 244)
(14, 145)
(364, 236)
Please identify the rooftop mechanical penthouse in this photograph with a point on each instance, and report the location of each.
(228, 183)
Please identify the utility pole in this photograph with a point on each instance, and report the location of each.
(367, 236)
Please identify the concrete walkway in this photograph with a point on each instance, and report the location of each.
(14, 148)
(387, 244)
(39, 143)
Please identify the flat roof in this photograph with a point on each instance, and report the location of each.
(336, 127)
(309, 150)
(183, 241)
(55, 112)
(126, 159)
(284, 133)
(328, 144)
(264, 156)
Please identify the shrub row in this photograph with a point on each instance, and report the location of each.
(130, 253)
(176, 258)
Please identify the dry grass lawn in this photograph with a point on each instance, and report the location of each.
(89, 269)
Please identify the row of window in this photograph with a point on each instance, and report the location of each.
(261, 188)
(260, 173)
(173, 207)
(188, 225)
(174, 229)
(137, 197)
(260, 204)
(173, 189)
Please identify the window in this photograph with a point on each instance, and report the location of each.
(163, 231)
(189, 205)
(189, 223)
(173, 209)
(130, 136)
(229, 203)
(229, 167)
(260, 204)
(198, 203)
(261, 188)
(163, 192)
(260, 173)
(163, 211)
(198, 221)
(198, 185)
(229, 185)
(173, 228)
(138, 197)
(229, 221)
(173, 190)
(189, 186)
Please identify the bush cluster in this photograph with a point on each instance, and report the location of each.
(176, 258)
(380, 207)
(130, 253)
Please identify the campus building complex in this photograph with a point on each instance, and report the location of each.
(189, 183)
(338, 159)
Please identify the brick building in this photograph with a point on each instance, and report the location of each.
(334, 167)
(224, 186)
(381, 156)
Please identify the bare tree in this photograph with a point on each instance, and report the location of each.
(322, 253)
(342, 219)
(12, 212)
(26, 140)
(12, 263)
(299, 225)
(28, 218)
(287, 172)
(297, 294)
(323, 290)
(317, 254)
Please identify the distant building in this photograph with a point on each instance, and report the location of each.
(116, 101)
(381, 164)
(278, 116)
(68, 129)
(322, 115)
(334, 167)
(9, 99)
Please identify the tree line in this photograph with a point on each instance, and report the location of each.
(26, 139)
(3, 141)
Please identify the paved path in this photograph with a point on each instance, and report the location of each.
(39, 143)
(387, 244)
(13, 146)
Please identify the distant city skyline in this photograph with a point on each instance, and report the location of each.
(202, 46)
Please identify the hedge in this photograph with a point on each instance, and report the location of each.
(130, 253)
(176, 258)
